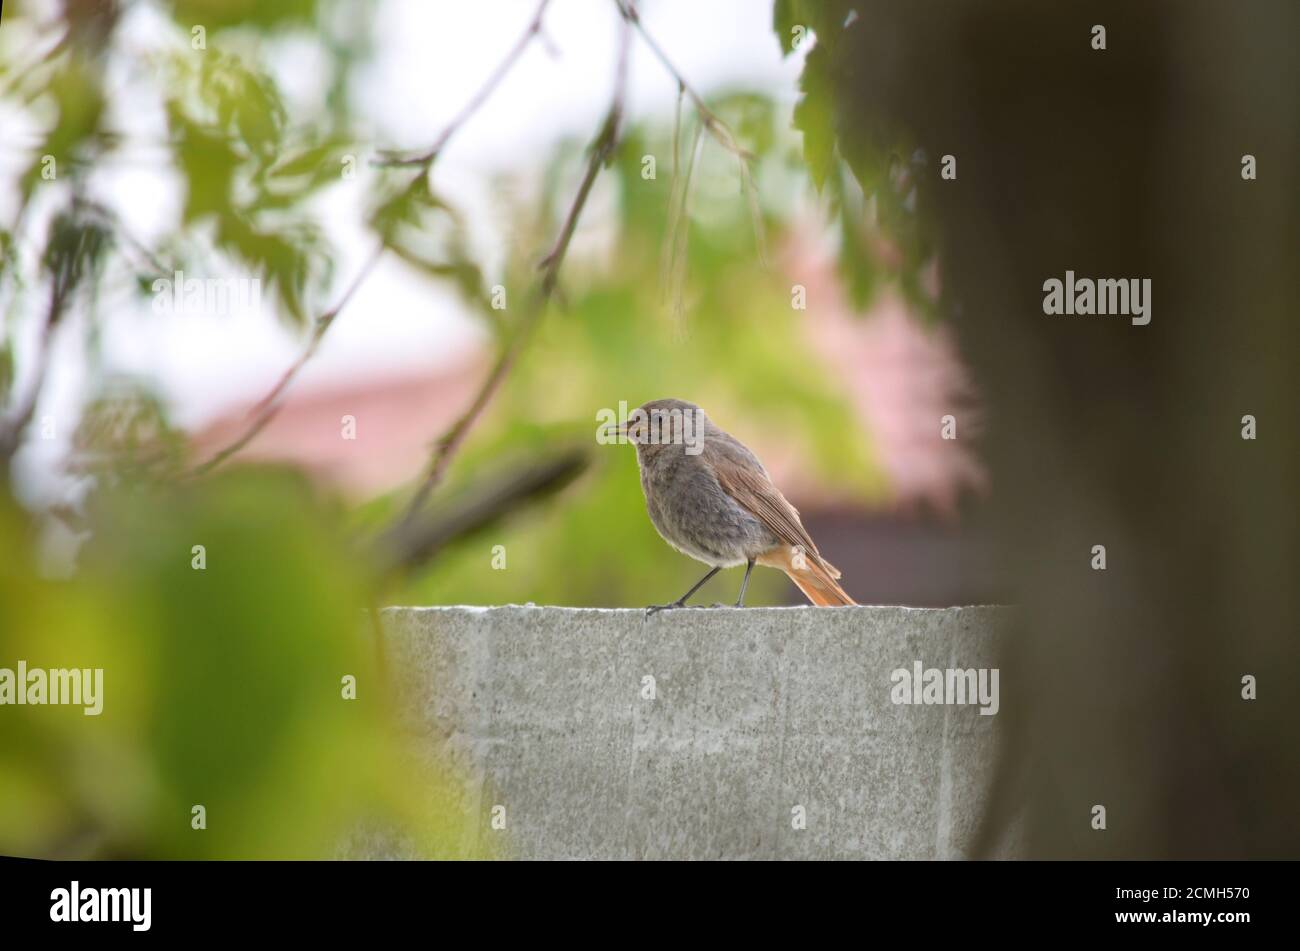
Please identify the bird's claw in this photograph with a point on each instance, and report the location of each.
(656, 608)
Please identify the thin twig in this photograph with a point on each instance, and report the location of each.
(266, 409)
(679, 224)
(426, 157)
(712, 124)
(114, 221)
(668, 251)
(601, 149)
(12, 428)
(755, 211)
(717, 129)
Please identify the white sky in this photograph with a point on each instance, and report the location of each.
(432, 57)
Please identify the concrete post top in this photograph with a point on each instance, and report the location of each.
(791, 732)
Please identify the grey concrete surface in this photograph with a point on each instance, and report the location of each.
(756, 714)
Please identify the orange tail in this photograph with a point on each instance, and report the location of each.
(823, 592)
(815, 578)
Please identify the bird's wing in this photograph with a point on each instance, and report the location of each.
(754, 491)
(742, 476)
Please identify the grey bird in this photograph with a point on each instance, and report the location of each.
(709, 497)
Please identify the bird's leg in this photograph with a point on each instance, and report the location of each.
(681, 602)
(740, 601)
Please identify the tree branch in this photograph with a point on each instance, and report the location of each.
(426, 157)
(409, 544)
(269, 405)
(267, 408)
(712, 124)
(718, 130)
(601, 149)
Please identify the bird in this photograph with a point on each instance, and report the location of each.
(709, 497)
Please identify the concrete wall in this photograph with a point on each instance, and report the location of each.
(756, 711)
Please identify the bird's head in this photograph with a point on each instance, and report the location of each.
(662, 425)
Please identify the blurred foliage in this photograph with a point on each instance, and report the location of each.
(867, 170)
(245, 175)
(249, 169)
(428, 233)
(124, 435)
(223, 686)
(224, 683)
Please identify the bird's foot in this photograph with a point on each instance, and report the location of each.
(656, 608)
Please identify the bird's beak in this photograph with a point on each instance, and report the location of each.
(614, 429)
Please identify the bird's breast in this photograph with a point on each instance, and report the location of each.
(694, 515)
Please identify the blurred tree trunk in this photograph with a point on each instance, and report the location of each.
(1124, 686)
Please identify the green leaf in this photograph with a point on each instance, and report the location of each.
(814, 116)
(208, 163)
(283, 257)
(80, 104)
(426, 232)
(75, 250)
(245, 103)
(786, 16)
